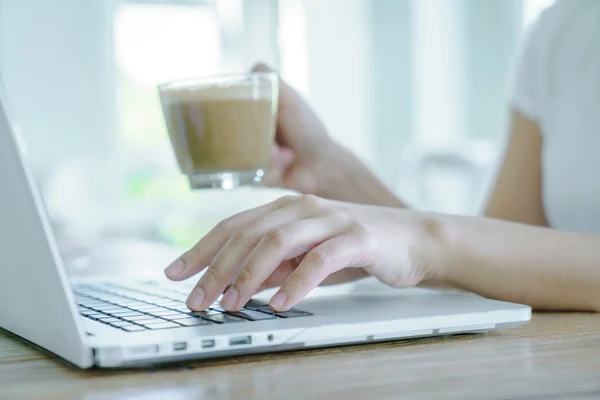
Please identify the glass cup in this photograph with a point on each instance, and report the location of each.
(222, 128)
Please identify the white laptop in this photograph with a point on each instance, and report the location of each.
(123, 322)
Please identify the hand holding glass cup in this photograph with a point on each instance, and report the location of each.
(222, 128)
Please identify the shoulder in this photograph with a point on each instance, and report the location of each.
(553, 54)
(558, 25)
(561, 22)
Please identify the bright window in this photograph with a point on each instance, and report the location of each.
(87, 73)
(154, 44)
(532, 8)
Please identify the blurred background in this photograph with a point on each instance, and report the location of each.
(415, 87)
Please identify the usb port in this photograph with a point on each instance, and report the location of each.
(208, 343)
(179, 346)
(240, 340)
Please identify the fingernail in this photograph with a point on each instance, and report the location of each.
(174, 269)
(230, 298)
(278, 301)
(196, 298)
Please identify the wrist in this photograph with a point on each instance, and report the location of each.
(430, 250)
(331, 166)
(343, 176)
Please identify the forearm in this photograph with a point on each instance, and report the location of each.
(541, 267)
(351, 181)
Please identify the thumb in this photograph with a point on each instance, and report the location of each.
(283, 157)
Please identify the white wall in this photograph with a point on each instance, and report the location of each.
(460, 55)
(492, 30)
(403, 82)
(56, 63)
(339, 69)
(392, 84)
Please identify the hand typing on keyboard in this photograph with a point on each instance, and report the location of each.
(146, 307)
(298, 243)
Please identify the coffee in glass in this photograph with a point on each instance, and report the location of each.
(222, 128)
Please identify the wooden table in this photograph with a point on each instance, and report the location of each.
(556, 356)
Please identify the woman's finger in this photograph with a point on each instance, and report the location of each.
(326, 259)
(283, 242)
(230, 258)
(345, 275)
(281, 273)
(202, 254)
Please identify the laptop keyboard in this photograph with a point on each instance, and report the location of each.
(135, 310)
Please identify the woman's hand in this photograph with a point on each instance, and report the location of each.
(307, 160)
(300, 242)
(302, 144)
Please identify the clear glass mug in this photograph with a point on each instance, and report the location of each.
(222, 128)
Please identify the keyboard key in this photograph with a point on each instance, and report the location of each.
(192, 322)
(111, 299)
(121, 323)
(90, 304)
(255, 304)
(158, 299)
(252, 315)
(132, 303)
(168, 303)
(109, 320)
(133, 328)
(223, 318)
(174, 315)
(293, 314)
(176, 306)
(179, 298)
(162, 325)
(258, 306)
(149, 308)
(103, 317)
(172, 302)
(163, 313)
(264, 310)
(140, 318)
(108, 307)
(183, 308)
(147, 299)
(95, 315)
(149, 320)
(177, 317)
(158, 313)
(128, 313)
(202, 314)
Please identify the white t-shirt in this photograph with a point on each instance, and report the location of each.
(556, 82)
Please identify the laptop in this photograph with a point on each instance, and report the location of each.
(129, 322)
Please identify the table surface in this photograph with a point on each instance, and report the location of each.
(555, 356)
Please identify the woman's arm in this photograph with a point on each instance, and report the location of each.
(352, 181)
(517, 195)
(519, 259)
(299, 242)
(542, 267)
(524, 262)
